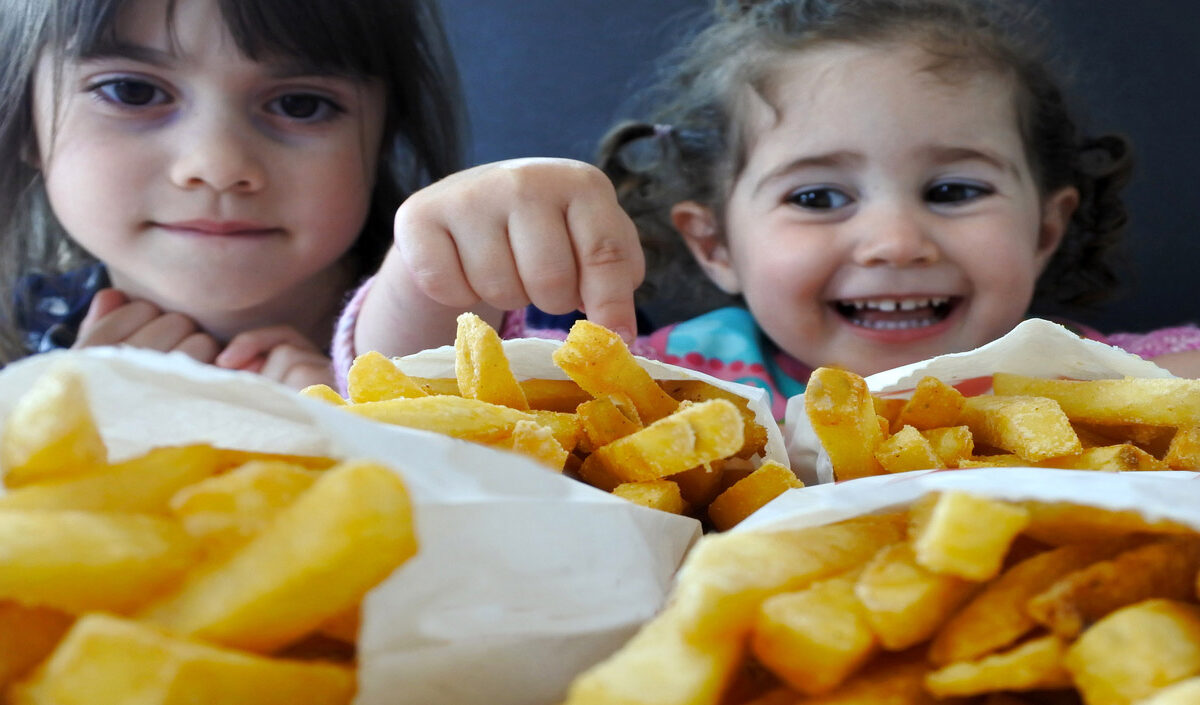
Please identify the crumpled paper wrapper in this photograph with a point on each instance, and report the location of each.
(524, 578)
(1036, 348)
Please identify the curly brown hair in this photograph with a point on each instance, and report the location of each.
(692, 145)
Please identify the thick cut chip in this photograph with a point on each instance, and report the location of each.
(373, 377)
(323, 392)
(27, 635)
(700, 484)
(695, 390)
(604, 420)
(699, 433)
(750, 493)
(1061, 523)
(105, 660)
(1125, 457)
(1184, 451)
(996, 616)
(536, 441)
(226, 511)
(1032, 427)
(842, 413)
(905, 603)
(481, 366)
(468, 419)
(965, 535)
(144, 484)
(891, 679)
(908, 450)
(600, 362)
(1135, 651)
(814, 639)
(1165, 568)
(51, 432)
(84, 561)
(662, 495)
(316, 559)
(1156, 402)
(933, 404)
(952, 444)
(1035, 665)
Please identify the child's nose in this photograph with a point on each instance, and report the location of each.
(217, 154)
(893, 236)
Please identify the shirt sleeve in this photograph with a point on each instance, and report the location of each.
(341, 348)
(1159, 342)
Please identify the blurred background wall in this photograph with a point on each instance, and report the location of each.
(547, 77)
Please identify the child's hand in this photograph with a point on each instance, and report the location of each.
(279, 353)
(498, 237)
(115, 319)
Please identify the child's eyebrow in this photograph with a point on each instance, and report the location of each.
(946, 155)
(134, 52)
(832, 159)
(285, 67)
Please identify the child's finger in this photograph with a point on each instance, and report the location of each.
(247, 346)
(545, 258)
(297, 367)
(103, 303)
(201, 347)
(431, 256)
(611, 263)
(117, 325)
(164, 333)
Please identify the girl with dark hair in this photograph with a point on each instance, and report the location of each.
(214, 176)
(867, 183)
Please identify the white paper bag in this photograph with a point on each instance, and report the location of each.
(1035, 348)
(523, 577)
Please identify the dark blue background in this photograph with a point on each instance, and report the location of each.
(547, 77)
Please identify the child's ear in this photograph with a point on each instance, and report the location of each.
(698, 225)
(1057, 210)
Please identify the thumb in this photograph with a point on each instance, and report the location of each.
(103, 303)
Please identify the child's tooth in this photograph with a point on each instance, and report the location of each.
(887, 305)
(910, 305)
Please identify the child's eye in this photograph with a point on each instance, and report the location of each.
(955, 192)
(131, 93)
(304, 106)
(819, 198)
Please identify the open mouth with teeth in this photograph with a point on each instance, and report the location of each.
(896, 314)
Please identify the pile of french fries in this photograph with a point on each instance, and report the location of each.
(186, 574)
(1111, 424)
(678, 446)
(960, 598)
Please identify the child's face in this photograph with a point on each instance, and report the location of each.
(212, 185)
(884, 215)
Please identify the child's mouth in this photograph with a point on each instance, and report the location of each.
(896, 314)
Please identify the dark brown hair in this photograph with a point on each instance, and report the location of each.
(398, 42)
(691, 146)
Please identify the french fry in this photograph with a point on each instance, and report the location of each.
(1165, 568)
(84, 561)
(315, 560)
(695, 391)
(51, 432)
(604, 420)
(933, 404)
(662, 495)
(1135, 651)
(373, 377)
(144, 484)
(750, 493)
(955, 533)
(1183, 453)
(1184, 692)
(895, 679)
(1125, 457)
(842, 414)
(996, 616)
(226, 511)
(815, 638)
(1060, 523)
(1156, 402)
(908, 450)
(481, 366)
(323, 392)
(903, 602)
(457, 417)
(700, 433)
(536, 441)
(107, 660)
(953, 444)
(1035, 665)
(27, 635)
(1032, 427)
(598, 360)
